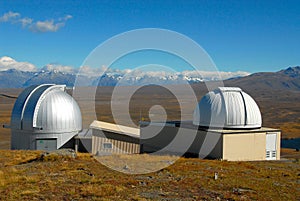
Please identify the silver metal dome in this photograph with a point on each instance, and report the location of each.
(46, 108)
(43, 112)
(227, 107)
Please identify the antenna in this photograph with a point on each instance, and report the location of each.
(140, 118)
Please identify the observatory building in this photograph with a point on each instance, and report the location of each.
(44, 117)
(227, 125)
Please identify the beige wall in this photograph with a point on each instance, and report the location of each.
(118, 147)
(121, 144)
(244, 147)
(278, 145)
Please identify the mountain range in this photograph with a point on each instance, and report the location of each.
(15, 78)
(285, 79)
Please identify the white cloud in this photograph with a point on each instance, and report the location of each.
(214, 75)
(49, 25)
(9, 17)
(227, 75)
(7, 63)
(25, 21)
(60, 68)
(184, 75)
(46, 26)
(92, 72)
(67, 17)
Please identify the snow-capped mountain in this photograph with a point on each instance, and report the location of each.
(15, 74)
(12, 78)
(52, 77)
(15, 78)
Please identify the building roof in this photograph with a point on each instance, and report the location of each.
(115, 128)
(46, 108)
(192, 126)
(227, 107)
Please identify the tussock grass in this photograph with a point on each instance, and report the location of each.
(137, 163)
(84, 178)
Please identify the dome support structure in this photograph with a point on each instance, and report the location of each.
(44, 117)
(227, 108)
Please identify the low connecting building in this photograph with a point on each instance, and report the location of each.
(110, 138)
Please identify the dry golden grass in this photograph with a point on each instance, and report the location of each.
(136, 163)
(83, 178)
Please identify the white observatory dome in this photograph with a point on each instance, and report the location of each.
(229, 108)
(45, 111)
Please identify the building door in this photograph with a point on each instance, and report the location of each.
(271, 140)
(46, 144)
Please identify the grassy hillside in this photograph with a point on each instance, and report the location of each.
(24, 175)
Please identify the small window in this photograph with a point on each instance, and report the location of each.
(273, 154)
(107, 145)
(268, 154)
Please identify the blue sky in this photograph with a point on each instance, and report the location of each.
(238, 35)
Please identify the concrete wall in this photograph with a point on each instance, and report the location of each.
(20, 140)
(83, 145)
(180, 141)
(27, 140)
(156, 138)
(207, 145)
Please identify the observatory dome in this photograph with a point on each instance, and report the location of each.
(44, 117)
(46, 108)
(228, 108)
